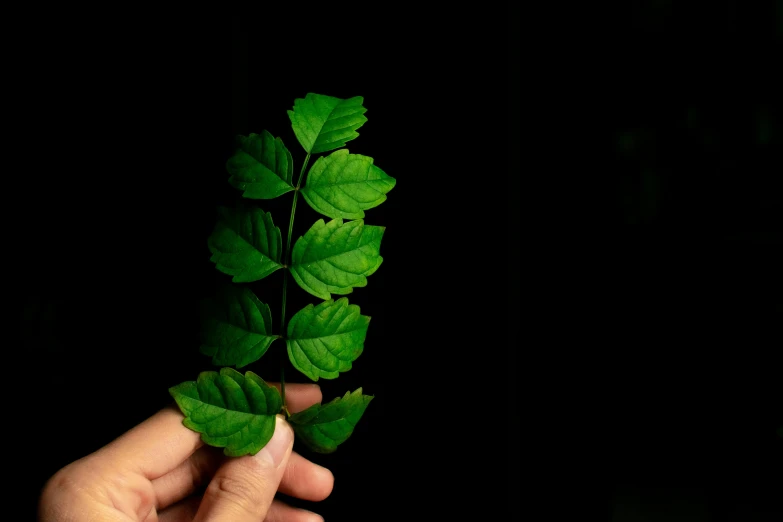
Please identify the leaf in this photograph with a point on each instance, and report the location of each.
(230, 410)
(245, 244)
(336, 257)
(323, 340)
(324, 427)
(323, 123)
(343, 185)
(236, 328)
(261, 166)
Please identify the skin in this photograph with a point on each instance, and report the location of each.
(160, 471)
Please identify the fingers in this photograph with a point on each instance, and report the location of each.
(282, 512)
(161, 443)
(306, 480)
(299, 397)
(184, 511)
(156, 446)
(278, 512)
(188, 477)
(302, 478)
(243, 488)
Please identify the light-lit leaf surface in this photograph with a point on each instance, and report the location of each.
(323, 340)
(335, 257)
(323, 427)
(236, 327)
(323, 123)
(245, 244)
(261, 166)
(343, 185)
(230, 410)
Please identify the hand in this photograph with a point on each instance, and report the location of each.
(150, 474)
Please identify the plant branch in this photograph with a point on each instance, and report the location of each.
(286, 263)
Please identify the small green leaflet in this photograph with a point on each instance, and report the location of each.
(324, 427)
(261, 166)
(323, 123)
(343, 185)
(335, 257)
(230, 410)
(245, 244)
(323, 340)
(236, 328)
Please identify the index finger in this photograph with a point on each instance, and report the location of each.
(162, 442)
(299, 397)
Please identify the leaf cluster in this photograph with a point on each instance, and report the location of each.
(236, 411)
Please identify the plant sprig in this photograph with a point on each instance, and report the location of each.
(236, 411)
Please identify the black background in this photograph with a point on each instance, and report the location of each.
(665, 323)
(128, 126)
(637, 361)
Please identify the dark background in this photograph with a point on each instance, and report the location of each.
(643, 358)
(667, 320)
(126, 129)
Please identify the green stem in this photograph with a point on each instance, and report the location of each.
(287, 251)
(286, 263)
(282, 331)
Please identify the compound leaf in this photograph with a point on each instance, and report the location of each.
(335, 257)
(343, 185)
(230, 410)
(324, 427)
(323, 123)
(236, 327)
(262, 166)
(245, 244)
(323, 340)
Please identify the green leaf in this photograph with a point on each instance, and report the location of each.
(230, 410)
(336, 257)
(323, 340)
(236, 327)
(261, 166)
(323, 123)
(343, 185)
(245, 244)
(324, 427)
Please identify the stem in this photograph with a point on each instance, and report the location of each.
(282, 315)
(286, 262)
(282, 387)
(293, 209)
(282, 331)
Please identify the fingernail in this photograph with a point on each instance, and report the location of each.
(279, 444)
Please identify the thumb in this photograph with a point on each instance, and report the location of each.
(243, 487)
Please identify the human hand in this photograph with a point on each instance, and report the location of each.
(153, 472)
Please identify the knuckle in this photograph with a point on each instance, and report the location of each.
(59, 496)
(64, 482)
(292, 471)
